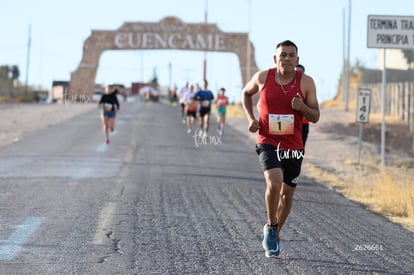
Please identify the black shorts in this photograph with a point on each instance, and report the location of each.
(203, 112)
(192, 113)
(289, 161)
(305, 132)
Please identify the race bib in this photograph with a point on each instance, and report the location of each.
(222, 102)
(108, 107)
(205, 103)
(191, 104)
(281, 124)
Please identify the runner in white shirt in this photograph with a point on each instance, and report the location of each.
(181, 95)
(191, 107)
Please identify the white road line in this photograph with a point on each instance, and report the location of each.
(101, 148)
(12, 246)
(82, 173)
(105, 219)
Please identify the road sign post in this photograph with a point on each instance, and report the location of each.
(362, 114)
(389, 32)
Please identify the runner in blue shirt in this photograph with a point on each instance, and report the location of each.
(205, 97)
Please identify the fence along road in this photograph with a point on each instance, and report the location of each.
(154, 201)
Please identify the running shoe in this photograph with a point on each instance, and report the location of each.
(271, 241)
(199, 132)
(188, 131)
(107, 141)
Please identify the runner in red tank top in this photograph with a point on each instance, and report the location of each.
(305, 121)
(279, 123)
(286, 96)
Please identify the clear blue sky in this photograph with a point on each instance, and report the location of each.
(59, 29)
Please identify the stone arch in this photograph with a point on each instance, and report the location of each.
(168, 33)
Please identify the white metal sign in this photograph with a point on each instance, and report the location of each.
(363, 107)
(391, 32)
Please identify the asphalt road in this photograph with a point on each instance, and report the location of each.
(158, 200)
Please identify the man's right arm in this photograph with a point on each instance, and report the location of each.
(251, 88)
(100, 103)
(197, 96)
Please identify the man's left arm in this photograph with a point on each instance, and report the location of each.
(310, 106)
(197, 96)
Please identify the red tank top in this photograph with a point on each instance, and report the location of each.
(280, 125)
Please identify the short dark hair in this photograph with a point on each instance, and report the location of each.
(300, 66)
(287, 43)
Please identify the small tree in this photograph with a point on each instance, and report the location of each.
(409, 57)
(15, 72)
(357, 66)
(154, 79)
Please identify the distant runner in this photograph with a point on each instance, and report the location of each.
(109, 105)
(181, 99)
(305, 121)
(191, 106)
(222, 102)
(204, 96)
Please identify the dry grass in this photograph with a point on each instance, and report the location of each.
(17, 99)
(234, 111)
(394, 196)
(387, 193)
(332, 104)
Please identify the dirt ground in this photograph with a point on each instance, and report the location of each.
(21, 119)
(398, 138)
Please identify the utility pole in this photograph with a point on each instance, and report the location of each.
(26, 83)
(348, 57)
(205, 52)
(383, 111)
(344, 66)
(170, 75)
(248, 41)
